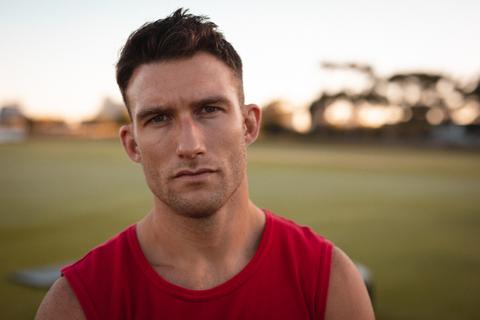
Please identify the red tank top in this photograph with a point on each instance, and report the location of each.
(286, 279)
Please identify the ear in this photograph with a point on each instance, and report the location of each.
(252, 120)
(129, 144)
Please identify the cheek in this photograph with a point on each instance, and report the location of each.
(233, 148)
(227, 131)
(229, 143)
(155, 144)
(155, 157)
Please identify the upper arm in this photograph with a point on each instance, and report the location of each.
(347, 295)
(60, 302)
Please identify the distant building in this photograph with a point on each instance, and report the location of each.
(107, 121)
(49, 127)
(13, 124)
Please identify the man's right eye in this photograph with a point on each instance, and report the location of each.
(160, 118)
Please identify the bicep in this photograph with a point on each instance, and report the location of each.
(60, 302)
(347, 295)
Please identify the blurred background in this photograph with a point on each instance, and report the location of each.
(371, 136)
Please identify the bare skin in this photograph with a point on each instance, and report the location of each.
(192, 258)
(60, 302)
(189, 132)
(347, 295)
(187, 116)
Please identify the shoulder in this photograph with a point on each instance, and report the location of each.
(60, 303)
(341, 291)
(347, 294)
(300, 241)
(88, 282)
(299, 245)
(100, 259)
(290, 230)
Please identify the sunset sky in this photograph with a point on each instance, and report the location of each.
(58, 57)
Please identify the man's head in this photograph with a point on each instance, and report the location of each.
(179, 35)
(190, 126)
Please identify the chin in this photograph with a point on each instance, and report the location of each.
(197, 211)
(198, 207)
(198, 202)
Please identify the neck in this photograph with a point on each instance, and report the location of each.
(225, 240)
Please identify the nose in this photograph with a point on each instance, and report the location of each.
(189, 139)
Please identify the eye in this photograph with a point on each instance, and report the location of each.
(209, 109)
(159, 118)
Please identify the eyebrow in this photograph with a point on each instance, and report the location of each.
(154, 110)
(211, 100)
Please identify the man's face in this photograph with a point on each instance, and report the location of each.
(189, 132)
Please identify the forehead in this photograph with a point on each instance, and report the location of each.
(181, 81)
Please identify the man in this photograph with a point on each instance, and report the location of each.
(204, 251)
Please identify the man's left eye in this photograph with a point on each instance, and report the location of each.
(209, 109)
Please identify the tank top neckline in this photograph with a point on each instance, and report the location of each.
(199, 295)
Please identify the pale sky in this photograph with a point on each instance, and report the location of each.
(58, 57)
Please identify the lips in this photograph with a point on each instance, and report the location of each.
(193, 173)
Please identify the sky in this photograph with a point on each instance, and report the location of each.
(58, 57)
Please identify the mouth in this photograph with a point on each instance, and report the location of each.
(193, 173)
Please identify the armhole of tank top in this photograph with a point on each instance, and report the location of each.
(325, 265)
(81, 293)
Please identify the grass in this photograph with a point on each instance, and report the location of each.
(411, 215)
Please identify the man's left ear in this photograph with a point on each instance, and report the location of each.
(252, 120)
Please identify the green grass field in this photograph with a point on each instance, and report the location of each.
(412, 216)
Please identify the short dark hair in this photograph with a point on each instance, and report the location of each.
(179, 35)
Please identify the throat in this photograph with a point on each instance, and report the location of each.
(184, 256)
(200, 277)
